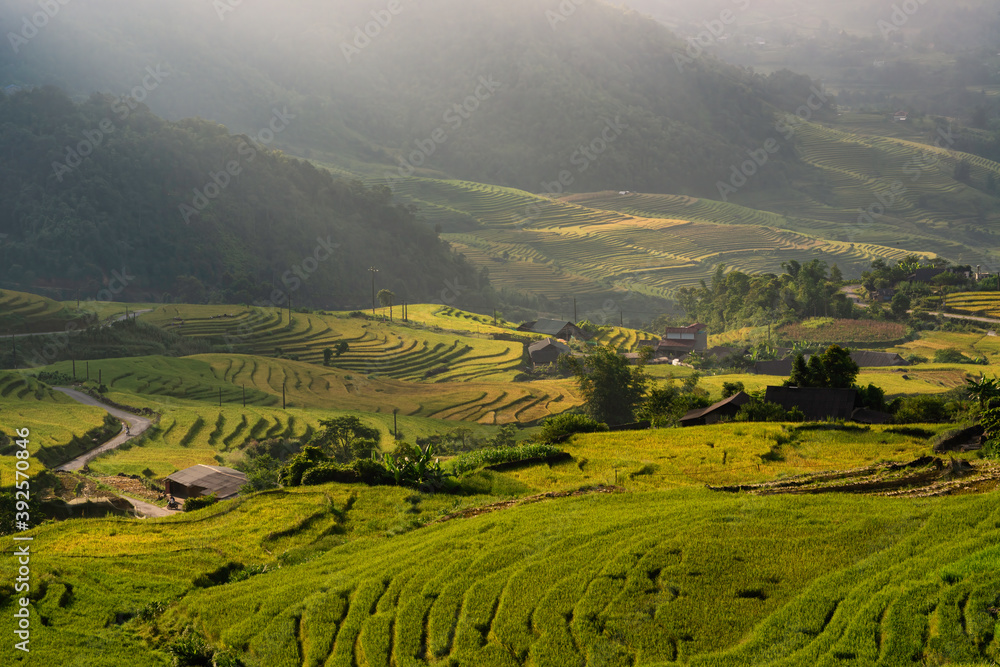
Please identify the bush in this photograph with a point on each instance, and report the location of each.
(195, 504)
(953, 356)
(322, 473)
(758, 410)
(487, 457)
(922, 410)
(560, 427)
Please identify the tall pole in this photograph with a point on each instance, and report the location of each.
(282, 395)
(373, 271)
(395, 430)
(575, 320)
(13, 347)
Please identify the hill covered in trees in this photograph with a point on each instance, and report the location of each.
(112, 200)
(514, 93)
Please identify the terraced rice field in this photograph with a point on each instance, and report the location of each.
(29, 313)
(622, 338)
(594, 246)
(52, 418)
(206, 378)
(984, 304)
(398, 350)
(636, 579)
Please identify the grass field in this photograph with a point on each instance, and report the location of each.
(983, 304)
(638, 578)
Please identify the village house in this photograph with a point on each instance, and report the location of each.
(547, 351)
(724, 409)
(817, 404)
(555, 329)
(202, 480)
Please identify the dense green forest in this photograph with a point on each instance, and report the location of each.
(735, 299)
(513, 93)
(100, 198)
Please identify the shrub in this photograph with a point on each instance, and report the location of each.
(322, 473)
(487, 457)
(922, 410)
(560, 427)
(195, 504)
(758, 410)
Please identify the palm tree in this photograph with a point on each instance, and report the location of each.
(386, 298)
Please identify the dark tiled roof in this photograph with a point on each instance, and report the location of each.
(869, 359)
(817, 404)
(782, 368)
(548, 342)
(736, 400)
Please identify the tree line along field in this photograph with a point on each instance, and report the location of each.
(29, 313)
(635, 578)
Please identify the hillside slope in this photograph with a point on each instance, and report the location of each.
(537, 84)
(113, 202)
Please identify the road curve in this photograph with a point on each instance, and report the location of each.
(138, 426)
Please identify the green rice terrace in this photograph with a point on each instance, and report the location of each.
(735, 544)
(594, 246)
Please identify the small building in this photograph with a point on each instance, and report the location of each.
(885, 294)
(695, 334)
(925, 275)
(870, 359)
(817, 404)
(547, 351)
(202, 480)
(555, 329)
(900, 116)
(713, 414)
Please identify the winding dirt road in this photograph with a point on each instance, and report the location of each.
(138, 426)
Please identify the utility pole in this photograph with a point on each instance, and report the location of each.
(74, 370)
(282, 395)
(373, 271)
(395, 430)
(575, 320)
(621, 316)
(88, 371)
(13, 347)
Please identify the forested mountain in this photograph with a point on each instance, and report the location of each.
(608, 96)
(99, 197)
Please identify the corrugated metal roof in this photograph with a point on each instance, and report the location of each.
(224, 482)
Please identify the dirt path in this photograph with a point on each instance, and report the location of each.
(138, 426)
(149, 510)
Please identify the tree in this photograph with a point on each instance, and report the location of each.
(834, 368)
(612, 389)
(386, 298)
(841, 371)
(346, 439)
(900, 305)
(732, 388)
(327, 356)
(341, 348)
